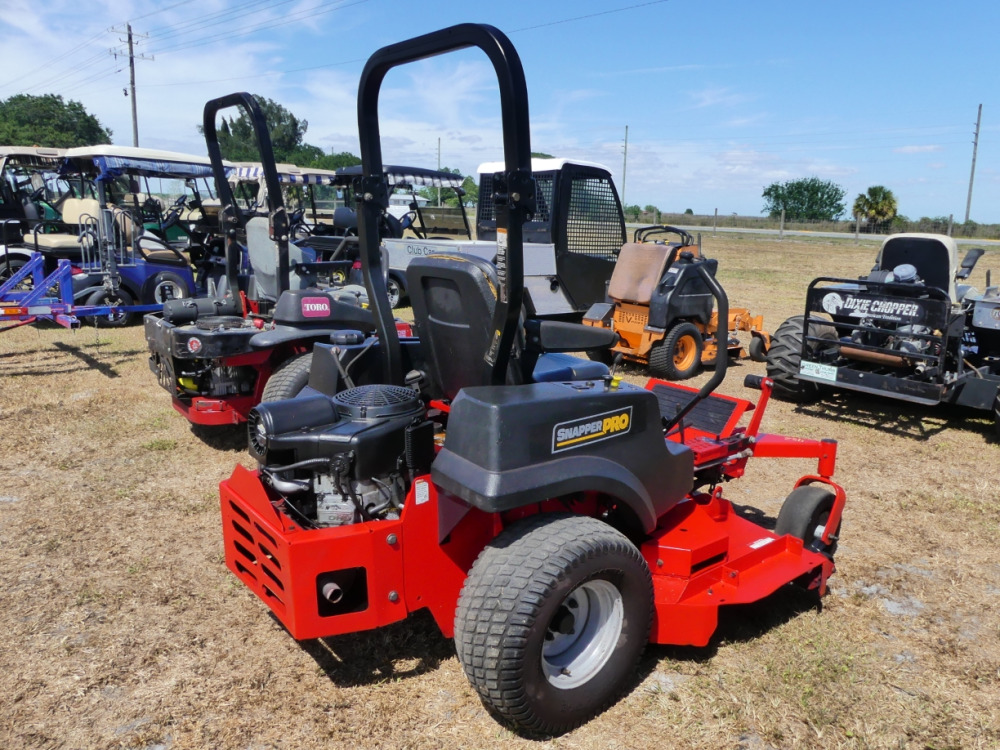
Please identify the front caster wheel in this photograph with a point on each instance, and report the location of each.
(552, 620)
(805, 514)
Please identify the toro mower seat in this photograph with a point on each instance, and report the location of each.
(263, 253)
(454, 297)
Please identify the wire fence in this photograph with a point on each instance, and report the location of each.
(937, 225)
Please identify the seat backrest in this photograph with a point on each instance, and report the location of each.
(639, 268)
(75, 210)
(936, 259)
(263, 254)
(453, 299)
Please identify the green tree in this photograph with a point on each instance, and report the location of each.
(471, 188)
(632, 212)
(47, 120)
(877, 207)
(807, 199)
(541, 155)
(336, 161)
(653, 211)
(238, 143)
(688, 212)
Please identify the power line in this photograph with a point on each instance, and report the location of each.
(161, 10)
(589, 15)
(54, 60)
(311, 12)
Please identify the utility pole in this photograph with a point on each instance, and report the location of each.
(439, 169)
(975, 147)
(131, 76)
(131, 83)
(624, 165)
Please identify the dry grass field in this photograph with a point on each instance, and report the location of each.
(122, 627)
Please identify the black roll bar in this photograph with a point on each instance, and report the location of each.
(514, 204)
(721, 338)
(229, 212)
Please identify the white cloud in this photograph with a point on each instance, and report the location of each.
(917, 149)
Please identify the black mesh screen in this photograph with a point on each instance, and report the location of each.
(543, 199)
(593, 226)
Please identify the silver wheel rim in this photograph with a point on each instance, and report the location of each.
(176, 289)
(583, 634)
(393, 289)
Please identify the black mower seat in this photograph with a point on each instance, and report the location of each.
(453, 298)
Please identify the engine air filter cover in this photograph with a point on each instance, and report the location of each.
(377, 401)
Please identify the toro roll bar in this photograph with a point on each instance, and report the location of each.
(515, 203)
(230, 212)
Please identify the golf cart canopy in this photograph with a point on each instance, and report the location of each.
(411, 176)
(287, 174)
(31, 156)
(114, 161)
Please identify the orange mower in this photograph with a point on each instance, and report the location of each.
(663, 312)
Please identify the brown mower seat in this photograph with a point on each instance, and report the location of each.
(639, 269)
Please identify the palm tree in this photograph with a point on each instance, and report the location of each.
(877, 206)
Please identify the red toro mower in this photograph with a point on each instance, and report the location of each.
(552, 521)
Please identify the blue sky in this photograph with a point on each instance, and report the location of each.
(720, 97)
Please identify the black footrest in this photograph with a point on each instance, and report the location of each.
(711, 415)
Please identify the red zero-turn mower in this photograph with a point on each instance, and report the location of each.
(553, 524)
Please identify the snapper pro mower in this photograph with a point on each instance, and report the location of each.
(552, 519)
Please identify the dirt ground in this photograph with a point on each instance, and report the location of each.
(123, 628)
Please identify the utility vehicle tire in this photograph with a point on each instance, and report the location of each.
(785, 354)
(552, 620)
(804, 515)
(102, 297)
(757, 349)
(397, 292)
(678, 355)
(288, 378)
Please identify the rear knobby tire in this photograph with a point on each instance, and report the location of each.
(804, 515)
(552, 620)
(785, 355)
(678, 355)
(288, 378)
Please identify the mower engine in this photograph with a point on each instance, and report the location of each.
(342, 459)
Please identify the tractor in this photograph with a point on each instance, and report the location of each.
(551, 518)
(911, 329)
(663, 312)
